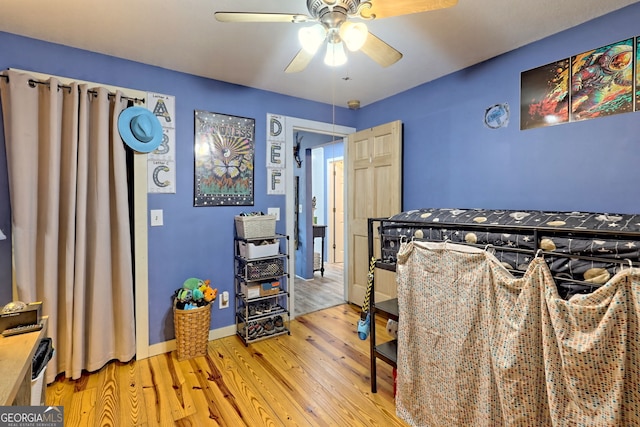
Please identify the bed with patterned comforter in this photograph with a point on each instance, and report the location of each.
(582, 249)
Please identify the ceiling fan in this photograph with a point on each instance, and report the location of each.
(334, 26)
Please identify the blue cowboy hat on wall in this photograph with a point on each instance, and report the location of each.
(140, 129)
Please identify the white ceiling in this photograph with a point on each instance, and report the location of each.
(183, 35)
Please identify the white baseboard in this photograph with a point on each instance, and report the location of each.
(169, 346)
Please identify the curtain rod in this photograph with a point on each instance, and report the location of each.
(34, 82)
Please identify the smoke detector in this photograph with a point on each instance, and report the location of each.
(353, 104)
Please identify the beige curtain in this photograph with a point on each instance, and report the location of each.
(70, 218)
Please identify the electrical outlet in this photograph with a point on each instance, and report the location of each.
(274, 211)
(224, 300)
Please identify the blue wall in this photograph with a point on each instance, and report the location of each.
(452, 160)
(194, 242)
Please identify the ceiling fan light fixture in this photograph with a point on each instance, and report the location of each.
(335, 55)
(312, 37)
(353, 34)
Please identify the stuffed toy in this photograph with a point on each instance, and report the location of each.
(197, 294)
(210, 294)
(194, 293)
(184, 295)
(192, 283)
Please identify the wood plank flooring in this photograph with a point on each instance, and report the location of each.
(321, 292)
(317, 376)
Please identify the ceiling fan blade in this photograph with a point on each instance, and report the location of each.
(260, 17)
(380, 51)
(299, 62)
(387, 8)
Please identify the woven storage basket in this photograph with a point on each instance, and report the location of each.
(192, 331)
(255, 226)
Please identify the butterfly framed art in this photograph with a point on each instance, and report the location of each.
(224, 150)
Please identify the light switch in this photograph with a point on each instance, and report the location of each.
(156, 217)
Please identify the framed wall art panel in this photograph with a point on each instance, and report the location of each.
(224, 151)
(544, 95)
(602, 81)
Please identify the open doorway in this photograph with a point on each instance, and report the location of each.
(319, 264)
(297, 201)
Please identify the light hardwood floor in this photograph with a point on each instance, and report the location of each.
(317, 376)
(321, 292)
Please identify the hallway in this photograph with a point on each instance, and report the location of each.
(321, 292)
